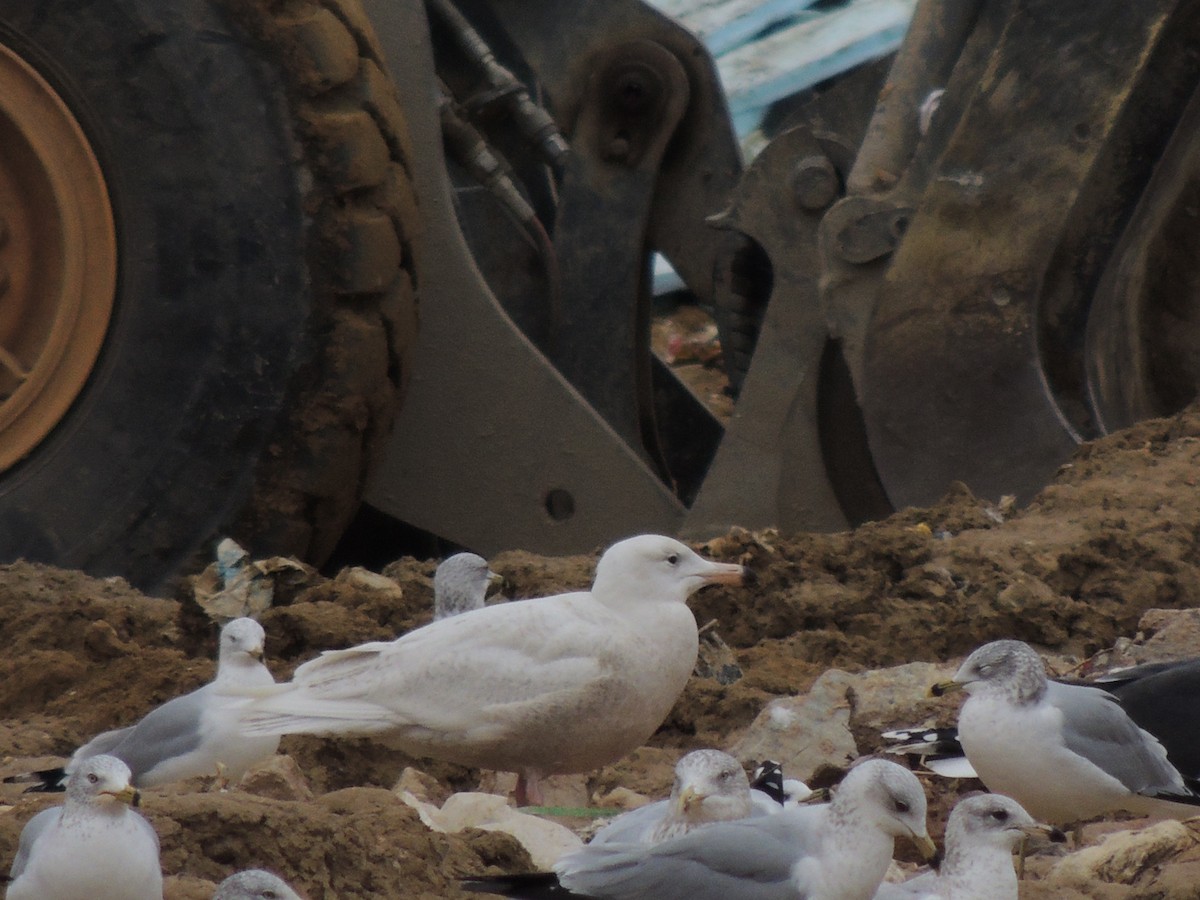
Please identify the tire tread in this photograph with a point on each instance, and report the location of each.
(362, 260)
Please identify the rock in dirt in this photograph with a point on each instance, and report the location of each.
(1123, 857)
(1163, 635)
(278, 778)
(804, 733)
(817, 729)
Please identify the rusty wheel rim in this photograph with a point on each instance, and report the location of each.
(58, 259)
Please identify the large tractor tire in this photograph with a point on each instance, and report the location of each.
(206, 278)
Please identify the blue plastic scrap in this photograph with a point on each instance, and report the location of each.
(767, 50)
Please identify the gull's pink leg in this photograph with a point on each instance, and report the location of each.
(529, 789)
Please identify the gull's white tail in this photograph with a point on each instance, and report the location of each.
(297, 712)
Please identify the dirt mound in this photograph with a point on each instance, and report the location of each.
(1113, 536)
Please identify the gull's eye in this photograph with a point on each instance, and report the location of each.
(1000, 815)
(269, 894)
(93, 777)
(900, 806)
(673, 559)
(727, 775)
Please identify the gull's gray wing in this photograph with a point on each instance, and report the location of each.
(751, 859)
(29, 834)
(170, 731)
(637, 825)
(105, 742)
(634, 826)
(1098, 729)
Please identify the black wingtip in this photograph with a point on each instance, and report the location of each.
(44, 789)
(533, 886)
(46, 781)
(1190, 799)
(482, 886)
(769, 780)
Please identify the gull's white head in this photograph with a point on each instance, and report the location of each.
(242, 640)
(460, 585)
(653, 566)
(1008, 667)
(101, 780)
(989, 820)
(886, 796)
(254, 884)
(710, 786)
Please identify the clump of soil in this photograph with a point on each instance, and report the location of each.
(1116, 534)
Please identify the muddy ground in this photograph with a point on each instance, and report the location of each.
(1114, 535)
